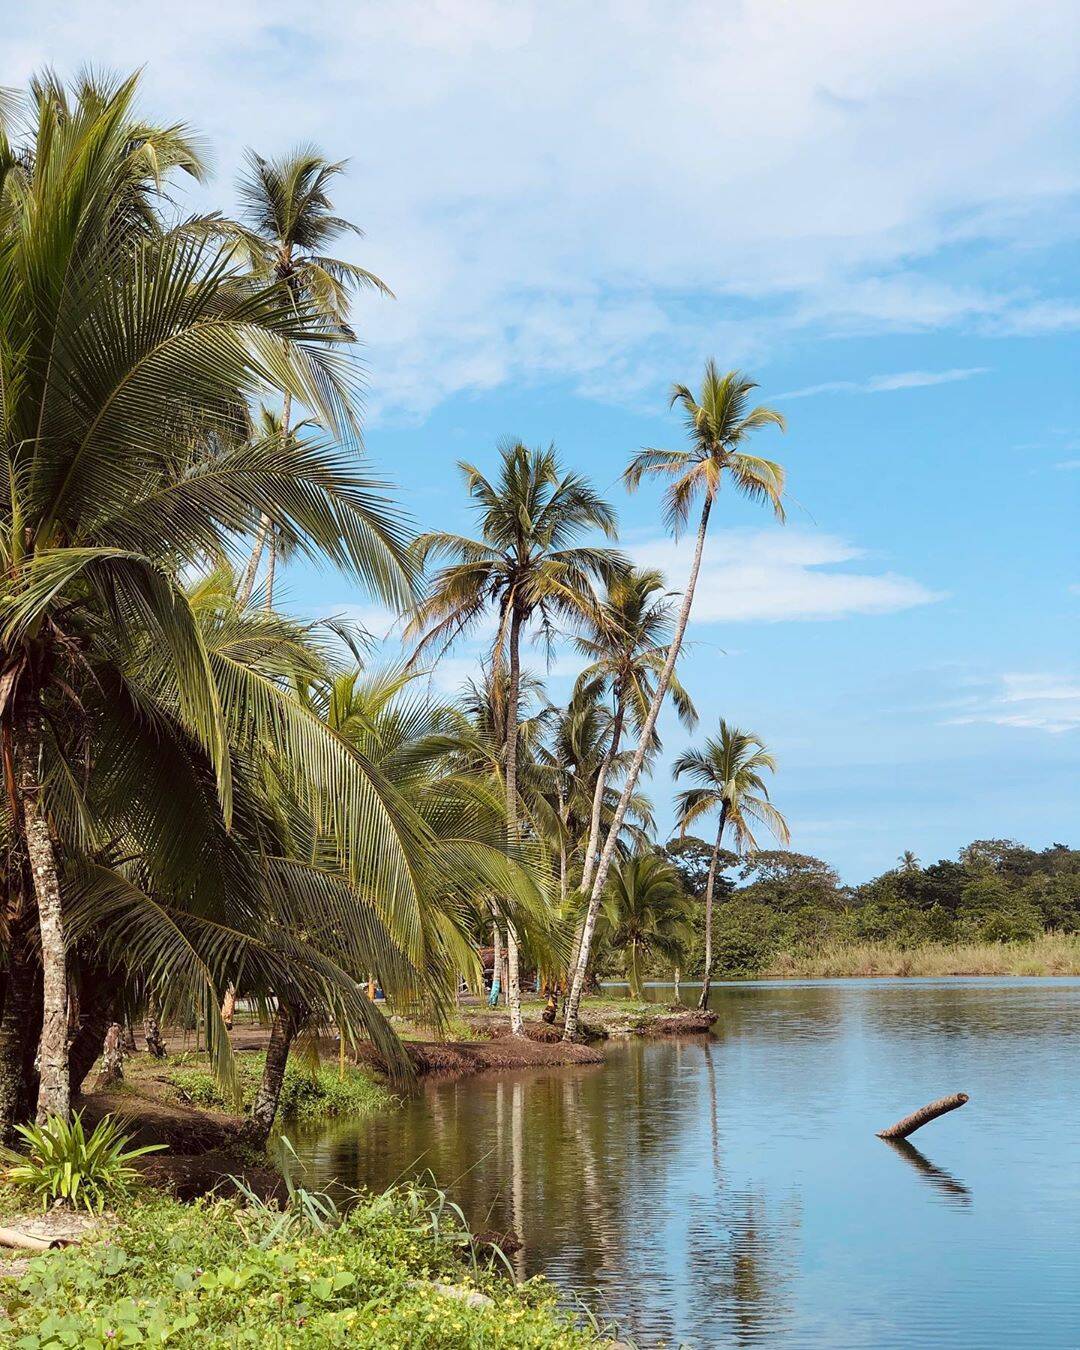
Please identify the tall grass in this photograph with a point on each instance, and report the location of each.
(1050, 954)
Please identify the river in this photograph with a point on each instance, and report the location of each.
(729, 1189)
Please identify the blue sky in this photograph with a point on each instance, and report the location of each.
(874, 212)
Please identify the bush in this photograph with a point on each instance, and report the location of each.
(63, 1165)
(216, 1274)
(306, 1094)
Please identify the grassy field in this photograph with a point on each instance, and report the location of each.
(1051, 954)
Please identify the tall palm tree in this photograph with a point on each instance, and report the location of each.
(719, 422)
(288, 222)
(728, 779)
(646, 913)
(528, 566)
(122, 343)
(625, 644)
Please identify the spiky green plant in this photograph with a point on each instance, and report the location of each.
(62, 1164)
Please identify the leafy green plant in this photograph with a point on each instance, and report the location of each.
(64, 1164)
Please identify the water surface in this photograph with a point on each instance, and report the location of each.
(729, 1189)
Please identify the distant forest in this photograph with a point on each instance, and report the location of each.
(778, 901)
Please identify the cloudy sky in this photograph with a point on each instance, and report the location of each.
(873, 208)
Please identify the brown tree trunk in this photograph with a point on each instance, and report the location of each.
(710, 889)
(54, 1090)
(228, 1007)
(513, 962)
(604, 866)
(155, 1045)
(282, 1033)
(112, 1059)
(271, 566)
(923, 1116)
(96, 1005)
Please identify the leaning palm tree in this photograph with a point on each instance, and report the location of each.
(719, 423)
(288, 223)
(625, 644)
(124, 345)
(728, 779)
(528, 566)
(646, 914)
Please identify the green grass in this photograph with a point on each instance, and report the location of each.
(215, 1274)
(306, 1094)
(1050, 954)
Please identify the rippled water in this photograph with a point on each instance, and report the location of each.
(729, 1189)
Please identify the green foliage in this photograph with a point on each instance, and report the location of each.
(308, 1092)
(63, 1164)
(782, 910)
(218, 1274)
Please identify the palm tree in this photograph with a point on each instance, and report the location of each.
(288, 223)
(646, 913)
(528, 567)
(719, 422)
(728, 778)
(625, 645)
(124, 345)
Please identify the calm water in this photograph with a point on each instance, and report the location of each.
(729, 1190)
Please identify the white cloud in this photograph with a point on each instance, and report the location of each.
(1030, 701)
(878, 384)
(609, 192)
(773, 575)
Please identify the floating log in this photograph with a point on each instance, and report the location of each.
(27, 1242)
(923, 1116)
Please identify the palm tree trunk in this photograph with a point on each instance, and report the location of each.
(112, 1059)
(573, 1000)
(598, 796)
(633, 972)
(54, 1089)
(155, 1044)
(710, 888)
(282, 1033)
(513, 693)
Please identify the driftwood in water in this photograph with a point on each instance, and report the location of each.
(923, 1116)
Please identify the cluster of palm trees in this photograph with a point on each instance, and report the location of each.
(205, 797)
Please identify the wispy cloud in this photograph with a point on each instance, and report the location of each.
(882, 384)
(540, 215)
(1029, 701)
(772, 575)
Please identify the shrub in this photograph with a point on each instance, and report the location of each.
(63, 1164)
(306, 1094)
(220, 1275)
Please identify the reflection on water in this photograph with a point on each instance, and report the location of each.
(730, 1190)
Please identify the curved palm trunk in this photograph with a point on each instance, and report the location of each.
(710, 890)
(573, 1000)
(598, 796)
(513, 693)
(54, 1088)
(633, 972)
(283, 1031)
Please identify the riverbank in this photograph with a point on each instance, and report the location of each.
(399, 1268)
(1050, 954)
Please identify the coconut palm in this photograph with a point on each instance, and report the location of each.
(727, 775)
(124, 347)
(289, 221)
(625, 644)
(526, 565)
(719, 422)
(646, 914)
